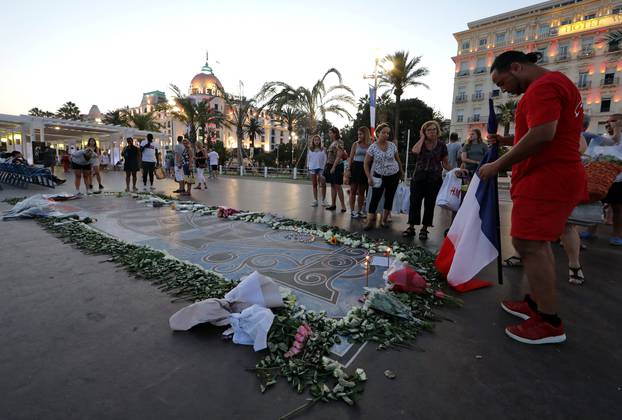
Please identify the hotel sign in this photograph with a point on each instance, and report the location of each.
(586, 25)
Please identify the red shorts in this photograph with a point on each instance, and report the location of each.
(539, 220)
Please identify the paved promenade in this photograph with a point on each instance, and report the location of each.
(80, 338)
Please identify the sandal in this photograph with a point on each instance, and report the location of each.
(513, 261)
(409, 233)
(575, 275)
(423, 235)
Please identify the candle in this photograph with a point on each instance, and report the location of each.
(388, 254)
(366, 265)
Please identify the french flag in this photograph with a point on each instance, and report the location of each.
(372, 110)
(472, 241)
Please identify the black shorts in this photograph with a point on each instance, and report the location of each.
(80, 167)
(336, 177)
(214, 167)
(357, 174)
(130, 166)
(614, 196)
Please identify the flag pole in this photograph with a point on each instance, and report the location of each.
(498, 216)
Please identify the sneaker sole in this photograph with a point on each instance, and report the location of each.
(546, 340)
(511, 312)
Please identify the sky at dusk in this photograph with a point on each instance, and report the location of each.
(109, 52)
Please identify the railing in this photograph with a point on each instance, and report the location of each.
(587, 84)
(613, 81)
(264, 172)
(480, 70)
(586, 53)
(460, 99)
(463, 73)
(475, 118)
(477, 97)
(562, 57)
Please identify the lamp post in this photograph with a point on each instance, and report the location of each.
(387, 66)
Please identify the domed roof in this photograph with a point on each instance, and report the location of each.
(205, 83)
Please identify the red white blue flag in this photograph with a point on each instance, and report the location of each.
(372, 109)
(472, 241)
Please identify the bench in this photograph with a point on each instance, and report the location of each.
(22, 175)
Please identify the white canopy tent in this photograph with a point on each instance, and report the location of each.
(25, 133)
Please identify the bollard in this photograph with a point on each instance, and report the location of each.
(265, 172)
(295, 173)
(241, 170)
(220, 169)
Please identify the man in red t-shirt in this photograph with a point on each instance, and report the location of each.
(548, 181)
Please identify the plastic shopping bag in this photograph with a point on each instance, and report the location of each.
(159, 173)
(449, 194)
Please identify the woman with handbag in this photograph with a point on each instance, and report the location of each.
(201, 159)
(333, 171)
(358, 179)
(386, 175)
(432, 158)
(187, 165)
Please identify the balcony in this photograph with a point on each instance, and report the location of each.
(585, 84)
(460, 99)
(586, 53)
(562, 57)
(609, 81)
(478, 96)
(463, 73)
(614, 48)
(475, 119)
(480, 70)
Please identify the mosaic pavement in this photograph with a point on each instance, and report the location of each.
(323, 276)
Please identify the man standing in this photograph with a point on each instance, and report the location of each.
(150, 158)
(131, 158)
(453, 148)
(548, 181)
(213, 162)
(179, 172)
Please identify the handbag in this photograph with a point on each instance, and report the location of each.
(377, 182)
(159, 173)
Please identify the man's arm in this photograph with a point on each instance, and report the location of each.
(532, 142)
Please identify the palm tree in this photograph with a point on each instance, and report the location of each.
(117, 117)
(506, 115)
(195, 115)
(242, 110)
(69, 111)
(252, 129)
(403, 73)
(312, 103)
(207, 116)
(36, 112)
(144, 122)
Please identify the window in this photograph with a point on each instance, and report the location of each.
(476, 114)
(583, 82)
(466, 45)
(495, 93)
(605, 105)
(565, 21)
(616, 10)
(562, 52)
(481, 65)
(609, 78)
(544, 30)
(459, 118)
(500, 39)
(483, 42)
(590, 16)
(215, 107)
(542, 50)
(520, 34)
(587, 44)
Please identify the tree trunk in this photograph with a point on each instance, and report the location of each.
(396, 127)
(506, 130)
(240, 137)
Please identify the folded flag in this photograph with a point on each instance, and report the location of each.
(471, 243)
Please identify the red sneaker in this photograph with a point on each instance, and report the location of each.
(536, 331)
(519, 308)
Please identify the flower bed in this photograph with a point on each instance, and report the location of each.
(300, 355)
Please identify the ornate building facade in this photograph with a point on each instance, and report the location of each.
(571, 36)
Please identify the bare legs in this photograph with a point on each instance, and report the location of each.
(539, 264)
(336, 190)
(127, 180)
(79, 174)
(97, 175)
(572, 245)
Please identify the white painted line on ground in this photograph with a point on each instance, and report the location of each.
(356, 354)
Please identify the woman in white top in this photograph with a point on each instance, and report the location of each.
(92, 144)
(316, 160)
(386, 175)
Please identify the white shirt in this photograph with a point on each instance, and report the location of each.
(148, 151)
(213, 158)
(316, 159)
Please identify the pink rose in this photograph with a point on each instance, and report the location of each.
(439, 294)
